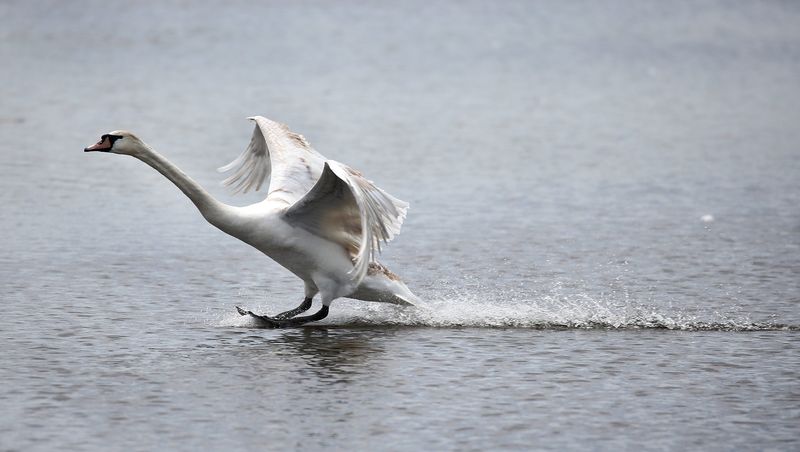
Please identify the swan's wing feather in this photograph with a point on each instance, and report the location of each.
(348, 209)
(277, 153)
(251, 167)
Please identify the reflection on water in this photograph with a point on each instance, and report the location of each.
(332, 355)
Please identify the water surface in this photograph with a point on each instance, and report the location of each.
(603, 221)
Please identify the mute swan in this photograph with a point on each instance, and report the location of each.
(321, 220)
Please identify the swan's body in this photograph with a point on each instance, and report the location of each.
(321, 220)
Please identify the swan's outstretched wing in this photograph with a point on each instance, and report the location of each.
(280, 154)
(346, 208)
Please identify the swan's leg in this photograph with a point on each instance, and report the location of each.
(297, 321)
(272, 322)
(304, 306)
(311, 289)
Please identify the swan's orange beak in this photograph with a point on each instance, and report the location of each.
(103, 145)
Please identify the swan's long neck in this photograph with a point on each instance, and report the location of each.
(213, 210)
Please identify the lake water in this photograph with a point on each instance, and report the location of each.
(604, 221)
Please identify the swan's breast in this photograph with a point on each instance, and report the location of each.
(262, 227)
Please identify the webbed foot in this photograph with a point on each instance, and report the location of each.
(266, 321)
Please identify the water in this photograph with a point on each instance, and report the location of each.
(603, 220)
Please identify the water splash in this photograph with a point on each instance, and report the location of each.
(474, 309)
(577, 313)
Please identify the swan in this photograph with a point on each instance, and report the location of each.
(321, 220)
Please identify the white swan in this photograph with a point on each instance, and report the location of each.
(321, 220)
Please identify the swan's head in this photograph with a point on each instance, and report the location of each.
(118, 142)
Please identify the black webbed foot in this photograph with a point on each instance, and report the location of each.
(263, 320)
